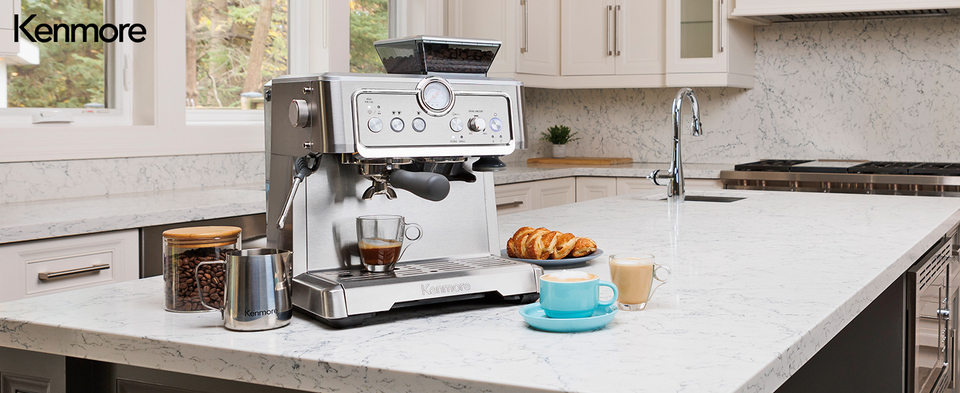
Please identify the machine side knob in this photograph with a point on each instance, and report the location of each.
(476, 124)
(299, 113)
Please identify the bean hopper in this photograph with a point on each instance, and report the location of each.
(421, 142)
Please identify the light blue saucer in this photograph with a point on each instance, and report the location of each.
(534, 315)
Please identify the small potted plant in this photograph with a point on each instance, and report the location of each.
(559, 136)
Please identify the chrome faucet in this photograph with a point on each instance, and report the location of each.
(675, 175)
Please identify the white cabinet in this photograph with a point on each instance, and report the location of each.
(612, 37)
(538, 37)
(706, 49)
(632, 185)
(489, 19)
(8, 29)
(54, 265)
(518, 197)
(595, 188)
(556, 192)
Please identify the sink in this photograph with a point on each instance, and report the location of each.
(708, 198)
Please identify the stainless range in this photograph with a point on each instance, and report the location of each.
(846, 176)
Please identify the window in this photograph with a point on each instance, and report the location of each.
(226, 39)
(368, 24)
(68, 74)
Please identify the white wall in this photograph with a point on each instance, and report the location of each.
(879, 90)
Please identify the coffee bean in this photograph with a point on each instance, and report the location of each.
(181, 278)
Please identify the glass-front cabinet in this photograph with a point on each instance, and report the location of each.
(705, 48)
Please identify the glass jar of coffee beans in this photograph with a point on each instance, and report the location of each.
(183, 250)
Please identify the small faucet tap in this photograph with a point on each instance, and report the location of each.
(675, 176)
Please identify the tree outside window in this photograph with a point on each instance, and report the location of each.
(233, 48)
(70, 74)
(368, 23)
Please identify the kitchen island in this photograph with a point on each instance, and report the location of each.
(758, 287)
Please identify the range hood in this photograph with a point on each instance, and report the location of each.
(811, 10)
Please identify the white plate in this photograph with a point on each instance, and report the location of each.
(565, 262)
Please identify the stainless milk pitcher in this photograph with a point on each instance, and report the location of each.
(257, 289)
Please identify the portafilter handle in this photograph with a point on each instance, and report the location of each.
(427, 185)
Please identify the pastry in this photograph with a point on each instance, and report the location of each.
(542, 243)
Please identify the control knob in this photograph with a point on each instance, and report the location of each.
(299, 113)
(476, 124)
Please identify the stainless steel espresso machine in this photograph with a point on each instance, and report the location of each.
(419, 142)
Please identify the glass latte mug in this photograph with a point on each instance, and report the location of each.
(634, 275)
(380, 239)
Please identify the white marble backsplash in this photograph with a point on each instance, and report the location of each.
(858, 89)
(43, 180)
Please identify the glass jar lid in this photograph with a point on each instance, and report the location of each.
(207, 236)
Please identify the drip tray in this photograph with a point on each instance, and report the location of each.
(708, 198)
(347, 296)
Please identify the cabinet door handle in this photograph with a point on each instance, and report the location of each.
(509, 204)
(70, 272)
(616, 31)
(720, 26)
(609, 39)
(523, 4)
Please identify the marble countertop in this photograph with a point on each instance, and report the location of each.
(75, 216)
(521, 172)
(758, 286)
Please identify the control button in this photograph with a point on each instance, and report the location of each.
(476, 124)
(396, 124)
(375, 124)
(456, 124)
(419, 124)
(496, 124)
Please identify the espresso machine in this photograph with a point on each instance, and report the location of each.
(420, 142)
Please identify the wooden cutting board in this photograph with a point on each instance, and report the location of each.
(580, 161)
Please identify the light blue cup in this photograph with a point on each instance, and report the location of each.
(573, 299)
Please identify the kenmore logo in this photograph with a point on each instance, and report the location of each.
(259, 313)
(441, 289)
(68, 33)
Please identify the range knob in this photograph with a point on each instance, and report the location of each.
(299, 113)
(476, 124)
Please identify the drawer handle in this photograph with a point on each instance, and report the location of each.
(509, 204)
(71, 272)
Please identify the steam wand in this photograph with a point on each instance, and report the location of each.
(305, 166)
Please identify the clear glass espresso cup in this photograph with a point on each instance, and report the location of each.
(380, 239)
(634, 275)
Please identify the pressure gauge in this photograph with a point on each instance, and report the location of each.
(435, 95)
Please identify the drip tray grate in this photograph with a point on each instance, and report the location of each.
(412, 270)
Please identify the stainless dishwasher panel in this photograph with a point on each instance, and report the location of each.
(253, 227)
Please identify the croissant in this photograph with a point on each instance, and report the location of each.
(542, 243)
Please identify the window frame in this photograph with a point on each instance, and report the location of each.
(157, 75)
(117, 83)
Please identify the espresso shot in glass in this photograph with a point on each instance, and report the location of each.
(380, 239)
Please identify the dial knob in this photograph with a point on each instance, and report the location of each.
(299, 113)
(476, 124)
